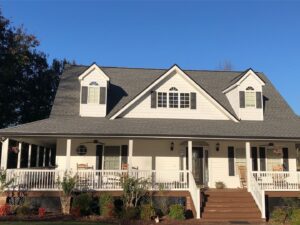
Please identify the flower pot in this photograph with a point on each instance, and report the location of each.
(65, 204)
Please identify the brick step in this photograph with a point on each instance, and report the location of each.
(230, 210)
(228, 194)
(230, 216)
(232, 204)
(240, 221)
(230, 200)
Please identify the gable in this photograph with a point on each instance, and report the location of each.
(93, 73)
(206, 106)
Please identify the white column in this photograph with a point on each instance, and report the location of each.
(4, 154)
(37, 156)
(49, 163)
(68, 154)
(248, 161)
(19, 155)
(190, 155)
(44, 157)
(29, 155)
(130, 152)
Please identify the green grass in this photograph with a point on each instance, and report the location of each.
(52, 223)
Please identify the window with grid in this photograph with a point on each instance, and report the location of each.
(111, 159)
(250, 99)
(184, 100)
(173, 100)
(93, 95)
(162, 100)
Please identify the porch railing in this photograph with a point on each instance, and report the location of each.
(259, 196)
(195, 194)
(278, 180)
(31, 179)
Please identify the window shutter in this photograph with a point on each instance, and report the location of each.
(258, 100)
(99, 153)
(124, 154)
(102, 95)
(231, 161)
(153, 99)
(84, 94)
(193, 100)
(262, 158)
(242, 99)
(285, 157)
(254, 158)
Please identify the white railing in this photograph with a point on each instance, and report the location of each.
(258, 195)
(195, 194)
(278, 180)
(31, 179)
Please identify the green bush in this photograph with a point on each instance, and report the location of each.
(83, 202)
(130, 213)
(279, 216)
(106, 205)
(176, 212)
(295, 217)
(147, 212)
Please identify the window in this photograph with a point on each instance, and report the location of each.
(81, 150)
(173, 100)
(112, 158)
(250, 99)
(162, 100)
(93, 95)
(184, 100)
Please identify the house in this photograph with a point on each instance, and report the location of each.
(183, 129)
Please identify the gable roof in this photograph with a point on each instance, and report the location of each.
(126, 83)
(161, 79)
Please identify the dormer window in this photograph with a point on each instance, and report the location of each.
(93, 95)
(250, 98)
(173, 97)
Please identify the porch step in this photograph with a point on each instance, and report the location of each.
(230, 205)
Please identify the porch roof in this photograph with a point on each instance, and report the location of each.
(91, 127)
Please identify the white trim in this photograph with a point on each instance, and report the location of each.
(249, 164)
(130, 153)
(19, 155)
(174, 70)
(250, 72)
(190, 156)
(37, 156)
(68, 153)
(29, 155)
(93, 67)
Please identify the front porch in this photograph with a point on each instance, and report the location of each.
(99, 164)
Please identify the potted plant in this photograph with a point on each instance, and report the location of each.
(4, 183)
(220, 185)
(67, 184)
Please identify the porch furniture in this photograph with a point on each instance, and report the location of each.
(243, 176)
(84, 179)
(84, 166)
(279, 180)
(124, 166)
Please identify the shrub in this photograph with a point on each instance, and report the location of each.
(220, 185)
(147, 212)
(83, 202)
(68, 183)
(176, 212)
(295, 217)
(130, 213)
(106, 205)
(279, 216)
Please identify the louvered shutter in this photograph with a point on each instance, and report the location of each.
(285, 153)
(262, 158)
(102, 95)
(254, 158)
(258, 100)
(124, 154)
(242, 99)
(84, 94)
(193, 100)
(153, 99)
(231, 161)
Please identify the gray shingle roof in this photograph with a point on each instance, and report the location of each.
(125, 83)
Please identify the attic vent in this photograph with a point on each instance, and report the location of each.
(94, 83)
(173, 89)
(250, 88)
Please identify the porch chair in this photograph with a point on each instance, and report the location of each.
(279, 180)
(85, 180)
(243, 176)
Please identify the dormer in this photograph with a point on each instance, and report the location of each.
(93, 92)
(246, 96)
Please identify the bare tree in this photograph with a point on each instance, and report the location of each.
(225, 65)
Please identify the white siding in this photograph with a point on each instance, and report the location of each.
(206, 109)
(93, 110)
(234, 99)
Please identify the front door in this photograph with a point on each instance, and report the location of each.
(200, 165)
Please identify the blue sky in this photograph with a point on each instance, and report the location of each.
(263, 35)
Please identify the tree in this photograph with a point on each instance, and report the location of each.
(27, 82)
(226, 65)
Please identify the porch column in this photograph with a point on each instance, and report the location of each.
(4, 154)
(44, 157)
(130, 152)
(68, 154)
(248, 162)
(49, 163)
(29, 155)
(19, 155)
(37, 156)
(190, 155)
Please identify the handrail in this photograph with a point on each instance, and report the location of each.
(258, 195)
(195, 194)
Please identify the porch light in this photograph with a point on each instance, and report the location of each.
(172, 146)
(217, 146)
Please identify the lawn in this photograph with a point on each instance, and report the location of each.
(53, 223)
